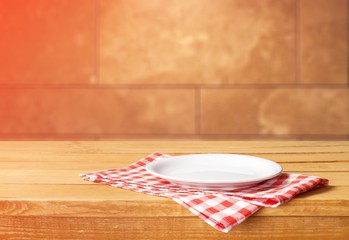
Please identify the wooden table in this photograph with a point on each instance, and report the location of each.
(42, 197)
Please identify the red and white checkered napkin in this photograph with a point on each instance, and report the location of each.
(221, 210)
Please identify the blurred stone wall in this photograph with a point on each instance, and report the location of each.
(177, 69)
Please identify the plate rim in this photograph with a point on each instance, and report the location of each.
(215, 182)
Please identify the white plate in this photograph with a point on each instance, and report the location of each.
(214, 171)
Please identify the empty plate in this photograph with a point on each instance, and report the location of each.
(214, 171)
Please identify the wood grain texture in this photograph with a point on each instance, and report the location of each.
(171, 228)
(42, 196)
(41, 149)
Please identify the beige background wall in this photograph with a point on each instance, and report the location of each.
(212, 69)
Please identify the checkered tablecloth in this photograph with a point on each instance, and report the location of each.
(221, 210)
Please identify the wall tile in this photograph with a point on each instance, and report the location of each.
(275, 111)
(102, 111)
(324, 41)
(47, 41)
(197, 41)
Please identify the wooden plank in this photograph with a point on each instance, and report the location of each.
(174, 147)
(284, 228)
(42, 197)
(57, 176)
(81, 167)
(94, 192)
(155, 208)
(98, 161)
(94, 200)
(90, 158)
(316, 167)
(335, 178)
